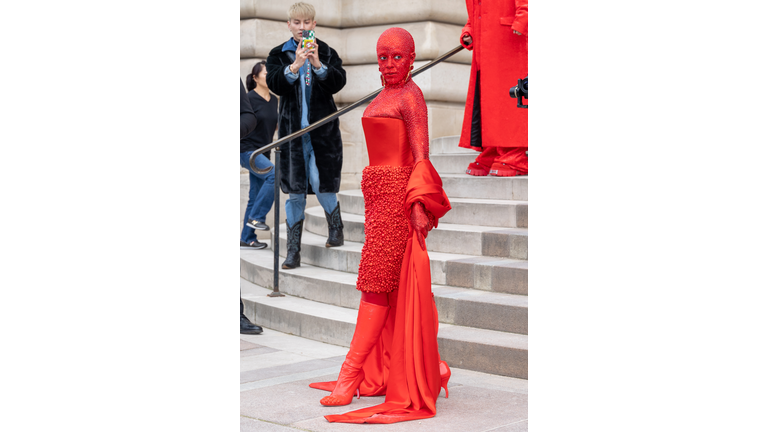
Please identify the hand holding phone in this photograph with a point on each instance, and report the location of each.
(308, 39)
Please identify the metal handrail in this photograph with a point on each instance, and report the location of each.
(276, 145)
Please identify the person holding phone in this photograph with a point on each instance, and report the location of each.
(306, 75)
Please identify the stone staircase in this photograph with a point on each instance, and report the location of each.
(478, 256)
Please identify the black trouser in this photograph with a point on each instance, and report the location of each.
(476, 135)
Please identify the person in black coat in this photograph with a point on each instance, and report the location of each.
(306, 78)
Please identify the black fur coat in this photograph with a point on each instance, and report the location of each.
(326, 140)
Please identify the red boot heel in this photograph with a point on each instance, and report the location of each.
(445, 375)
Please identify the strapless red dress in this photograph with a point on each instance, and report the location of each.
(404, 363)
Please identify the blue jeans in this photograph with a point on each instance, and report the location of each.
(261, 193)
(296, 203)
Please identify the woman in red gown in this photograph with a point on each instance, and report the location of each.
(394, 348)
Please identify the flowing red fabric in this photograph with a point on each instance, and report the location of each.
(414, 375)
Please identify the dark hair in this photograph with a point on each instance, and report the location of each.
(250, 83)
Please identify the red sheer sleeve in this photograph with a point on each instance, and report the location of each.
(413, 111)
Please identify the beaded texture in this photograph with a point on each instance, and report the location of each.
(386, 228)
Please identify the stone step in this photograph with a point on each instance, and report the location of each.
(488, 273)
(448, 145)
(504, 213)
(462, 185)
(460, 306)
(455, 163)
(451, 238)
(502, 275)
(488, 187)
(489, 351)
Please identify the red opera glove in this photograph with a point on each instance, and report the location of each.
(420, 223)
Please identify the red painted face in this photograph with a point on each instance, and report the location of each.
(395, 51)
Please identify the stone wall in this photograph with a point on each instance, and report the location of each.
(352, 28)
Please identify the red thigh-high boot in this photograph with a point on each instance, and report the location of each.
(370, 321)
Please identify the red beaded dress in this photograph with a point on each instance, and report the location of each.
(383, 184)
(404, 362)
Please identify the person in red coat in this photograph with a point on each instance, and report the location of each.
(497, 34)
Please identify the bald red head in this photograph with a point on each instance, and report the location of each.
(396, 53)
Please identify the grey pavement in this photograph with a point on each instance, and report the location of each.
(276, 369)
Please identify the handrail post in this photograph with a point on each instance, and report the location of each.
(276, 233)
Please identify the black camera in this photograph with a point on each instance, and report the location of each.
(519, 92)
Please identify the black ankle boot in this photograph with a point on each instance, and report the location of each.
(246, 326)
(335, 228)
(292, 256)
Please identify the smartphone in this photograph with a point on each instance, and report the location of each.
(307, 37)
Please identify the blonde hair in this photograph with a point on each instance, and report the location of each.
(301, 10)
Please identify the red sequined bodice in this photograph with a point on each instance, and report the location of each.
(387, 142)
